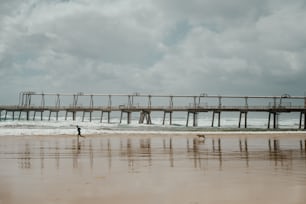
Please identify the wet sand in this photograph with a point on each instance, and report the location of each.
(154, 168)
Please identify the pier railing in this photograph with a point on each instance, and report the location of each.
(147, 103)
(136, 108)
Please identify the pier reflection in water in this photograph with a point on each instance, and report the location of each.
(158, 160)
(137, 153)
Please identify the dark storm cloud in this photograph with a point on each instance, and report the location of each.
(232, 47)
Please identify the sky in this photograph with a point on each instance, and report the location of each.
(237, 47)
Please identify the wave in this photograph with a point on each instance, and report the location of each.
(68, 127)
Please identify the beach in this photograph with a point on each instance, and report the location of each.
(225, 167)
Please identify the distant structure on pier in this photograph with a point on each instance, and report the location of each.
(30, 103)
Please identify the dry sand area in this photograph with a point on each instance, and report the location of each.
(230, 168)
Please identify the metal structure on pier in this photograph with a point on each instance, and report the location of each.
(145, 104)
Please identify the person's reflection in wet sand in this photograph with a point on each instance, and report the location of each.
(75, 153)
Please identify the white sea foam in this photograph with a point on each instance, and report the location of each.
(68, 127)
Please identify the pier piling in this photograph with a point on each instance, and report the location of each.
(56, 114)
(301, 120)
(275, 119)
(73, 114)
(108, 116)
(213, 118)
(194, 118)
(129, 115)
(145, 116)
(36, 102)
(245, 118)
(170, 117)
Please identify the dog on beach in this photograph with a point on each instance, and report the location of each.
(201, 137)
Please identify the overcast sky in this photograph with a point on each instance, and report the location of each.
(245, 47)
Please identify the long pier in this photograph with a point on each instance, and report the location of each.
(145, 104)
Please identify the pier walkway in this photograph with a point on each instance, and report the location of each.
(31, 103)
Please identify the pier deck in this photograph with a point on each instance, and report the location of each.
(143, 104)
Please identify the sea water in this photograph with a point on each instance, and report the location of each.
(64, 126)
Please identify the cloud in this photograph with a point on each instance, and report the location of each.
(237, 47)
(265, 54)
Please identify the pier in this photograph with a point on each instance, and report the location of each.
(33, 105)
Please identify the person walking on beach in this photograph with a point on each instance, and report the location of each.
(79, 131)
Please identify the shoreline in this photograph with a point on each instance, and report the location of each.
(208, 134)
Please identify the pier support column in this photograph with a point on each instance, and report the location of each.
(19, 117)
(101, 118)
(194, 118)
(129, 114)
(90, 115)
(83, 116)
(245, 119)
(108, 116)
(145, 115)
(13, 114)
(164, 118)
(41, 115)
(73, 115)
(219, 118)
(28, 115)
(301, 120)
(55, 115)
(275, 120)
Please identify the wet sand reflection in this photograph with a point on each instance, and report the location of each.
(156, 169)
(152, 151)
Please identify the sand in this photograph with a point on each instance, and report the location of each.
(239, 167)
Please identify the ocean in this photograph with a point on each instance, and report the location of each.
(229, 122)
(43, 161)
